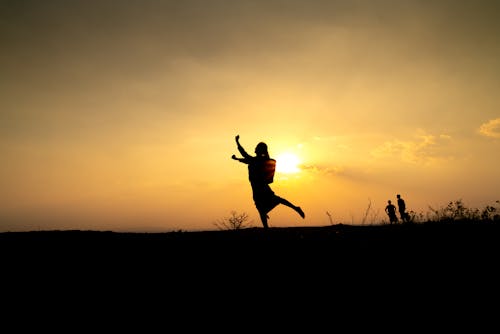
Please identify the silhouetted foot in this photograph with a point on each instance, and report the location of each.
(301, 213)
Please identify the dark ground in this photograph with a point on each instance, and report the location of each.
(297, 246)
(421, 272)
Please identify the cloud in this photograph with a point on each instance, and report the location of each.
(491, 128)
(426, 149)
(324, 170)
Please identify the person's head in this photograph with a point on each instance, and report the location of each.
(261, 149)
(398, 196)
(389, 201)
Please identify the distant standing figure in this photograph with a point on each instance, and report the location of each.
(260, 173)
(390, 209)
(402, 209)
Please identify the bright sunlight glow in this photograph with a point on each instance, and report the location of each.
(287, 163)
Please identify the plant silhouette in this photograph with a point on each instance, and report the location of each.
(236, 221)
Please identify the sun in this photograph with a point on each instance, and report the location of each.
(287, 163)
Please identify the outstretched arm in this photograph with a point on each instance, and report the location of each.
(234, 157)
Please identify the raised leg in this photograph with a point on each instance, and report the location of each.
(296, 208)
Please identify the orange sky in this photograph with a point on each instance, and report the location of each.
(121, 115)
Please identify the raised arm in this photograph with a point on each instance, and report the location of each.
(241, 149)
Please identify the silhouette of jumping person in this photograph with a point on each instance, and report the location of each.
(260, 173)
(390, 209)
(402, 209)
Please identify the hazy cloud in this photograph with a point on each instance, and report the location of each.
(324, 170)
(426, 149)
(491, 128)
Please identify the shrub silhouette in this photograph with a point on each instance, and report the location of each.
(235, 221)
(458, 211)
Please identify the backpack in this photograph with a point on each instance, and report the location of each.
(268, 170)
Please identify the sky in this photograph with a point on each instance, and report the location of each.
(122, 115)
